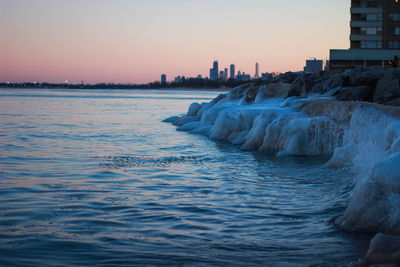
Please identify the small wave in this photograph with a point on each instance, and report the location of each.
(122, 162)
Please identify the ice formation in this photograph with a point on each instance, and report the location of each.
(359, 135)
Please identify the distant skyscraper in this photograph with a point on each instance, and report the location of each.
(215, 66)
(257, 75)
(221, 74)
(214, 71)
(226, 74)
(232, 71)
(163, 79)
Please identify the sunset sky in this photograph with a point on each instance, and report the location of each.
(135, 41)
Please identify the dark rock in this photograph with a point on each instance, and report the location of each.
(297, 87)
(288, 77)
(251, 94)
(370, 77)
(394, 102)
(346, 78)
(334, 82)
(388, 87)
(318, 88)
(294, 92)
(359, 93)
(276, 90)
(238, 92)
(311, 80)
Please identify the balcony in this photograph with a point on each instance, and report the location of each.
(362, 54)
(359, 24)
(363, 37)
(365, 10)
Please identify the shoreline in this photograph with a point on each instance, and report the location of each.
(123, 89)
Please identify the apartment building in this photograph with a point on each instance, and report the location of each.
(374, 36)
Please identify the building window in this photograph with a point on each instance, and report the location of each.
(397, 31)
(371, 44)
(394, 44)
(371, 30)
(372, 17)
(394, 16)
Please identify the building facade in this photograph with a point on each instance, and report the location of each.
(313, 65)
(163, 78)
(374, 36)
(232, 70)
(214, 71)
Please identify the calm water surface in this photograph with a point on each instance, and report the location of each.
(95, 178)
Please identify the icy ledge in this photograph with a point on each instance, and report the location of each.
(360, 135)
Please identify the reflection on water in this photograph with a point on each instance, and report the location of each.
(94, 177)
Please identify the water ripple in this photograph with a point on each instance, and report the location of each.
(99, 180)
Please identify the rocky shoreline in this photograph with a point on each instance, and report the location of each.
(370, 85)
(353, 116)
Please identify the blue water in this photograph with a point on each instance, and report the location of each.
(95, 178)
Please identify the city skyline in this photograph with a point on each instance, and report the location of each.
(133, 42)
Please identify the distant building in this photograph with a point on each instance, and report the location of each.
(313, 65)
(199, 76)
(178, 79)
(266, 76)
(257, 74)
(374, 38)
(326, 66)
(226, 74)
(243, 77)
(163, 79)
(232, 70)
(221, 75)
(214, 72)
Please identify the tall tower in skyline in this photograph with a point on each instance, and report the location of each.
(215, 66)
(163, 78)
(257, 75)
(214, 72)
(232, 76)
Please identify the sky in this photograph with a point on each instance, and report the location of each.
(135, 41)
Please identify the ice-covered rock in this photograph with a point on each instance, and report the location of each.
(193, 109)
(384, 250)
(362, 136)
(183, 120)
(171, 119)
(388, 88)
(190, 126)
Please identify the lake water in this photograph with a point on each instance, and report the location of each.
(95, 178)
